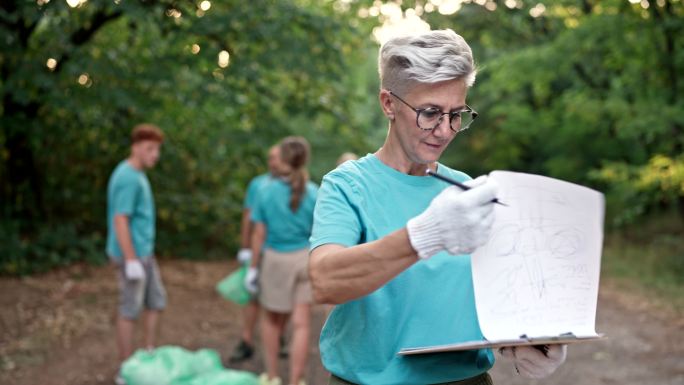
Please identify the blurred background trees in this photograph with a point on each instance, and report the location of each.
(223, 79)
(587, 91)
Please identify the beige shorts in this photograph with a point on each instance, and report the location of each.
(284, 280)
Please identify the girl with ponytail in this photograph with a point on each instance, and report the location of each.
(283, 217)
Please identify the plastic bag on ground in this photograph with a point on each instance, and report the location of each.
(167, 364)
(223, 377)
(232, 287)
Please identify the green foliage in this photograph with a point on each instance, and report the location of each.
(115, 65)
(660, 181)
(51, 246)
(586, 91)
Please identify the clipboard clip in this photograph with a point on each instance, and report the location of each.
(545, 348)
(565, 336)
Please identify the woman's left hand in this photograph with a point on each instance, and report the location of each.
(251, 277)
(532, 362)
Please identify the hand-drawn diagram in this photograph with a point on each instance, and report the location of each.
(539, 270)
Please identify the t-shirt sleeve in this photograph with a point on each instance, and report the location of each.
(335, 218)
(251, 195)
(125, 194)
(258, 207)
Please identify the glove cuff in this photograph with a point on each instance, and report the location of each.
(424, 235)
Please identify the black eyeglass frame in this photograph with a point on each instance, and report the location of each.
(472, 112)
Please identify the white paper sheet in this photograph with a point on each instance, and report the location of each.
(538, 275)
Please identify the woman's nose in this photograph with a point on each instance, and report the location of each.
(443, 129)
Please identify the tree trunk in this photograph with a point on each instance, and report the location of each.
(24, 198)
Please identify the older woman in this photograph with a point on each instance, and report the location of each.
(390, 244)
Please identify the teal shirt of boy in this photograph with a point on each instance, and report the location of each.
(430, 303)
(253, 187)
(129, 193)
(286, 230)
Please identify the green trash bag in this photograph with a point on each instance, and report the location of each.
(223, 377)
(205, 361)
(232, 287)
(167, 364)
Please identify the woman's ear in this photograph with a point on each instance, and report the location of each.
(387, 104)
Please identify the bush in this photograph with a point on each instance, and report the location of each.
(49, 247)
(636, 190)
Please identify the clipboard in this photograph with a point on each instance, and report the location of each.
(536, 279)
(567, 338)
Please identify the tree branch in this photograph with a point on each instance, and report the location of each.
(85, 33)
(585, 76)
(587, 8)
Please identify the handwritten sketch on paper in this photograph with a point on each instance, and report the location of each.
(538, 274)
(536, 279)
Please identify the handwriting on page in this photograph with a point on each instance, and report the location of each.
(538, 273)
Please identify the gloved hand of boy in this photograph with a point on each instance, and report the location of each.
(134, 270)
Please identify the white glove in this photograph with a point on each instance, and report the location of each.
(251, 280)
(456, 221)
(134, 270)
(530, 362)
(244, 255)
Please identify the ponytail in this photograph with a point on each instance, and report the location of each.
(298, 181)
(294, 151)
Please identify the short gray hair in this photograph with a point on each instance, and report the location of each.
(430, 57)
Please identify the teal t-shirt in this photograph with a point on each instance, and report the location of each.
(254, 185)
(430, 303)
(129, 193)
(285, 230)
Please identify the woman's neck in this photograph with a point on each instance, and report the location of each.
(393, 155)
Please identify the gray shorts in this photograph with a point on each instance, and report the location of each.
(149, 292)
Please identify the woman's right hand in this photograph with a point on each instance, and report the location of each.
(456, 221)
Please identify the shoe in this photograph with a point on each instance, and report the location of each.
(283, 353)
(263, 380)
(243, 351)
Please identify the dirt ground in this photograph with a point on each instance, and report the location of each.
(57, 329)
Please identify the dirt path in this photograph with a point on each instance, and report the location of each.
(57, 329)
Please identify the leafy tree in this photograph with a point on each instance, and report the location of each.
(224, 83)
(582, 90)
(578, 91)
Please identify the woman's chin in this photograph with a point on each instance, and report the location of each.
(428, 157)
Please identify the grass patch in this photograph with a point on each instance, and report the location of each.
(649, 257)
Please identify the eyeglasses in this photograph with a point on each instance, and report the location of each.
(428, 119)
